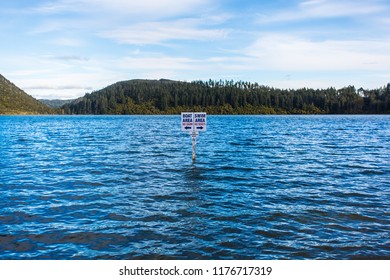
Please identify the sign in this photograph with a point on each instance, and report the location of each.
(193, 121)
(200, 121)
(187, 121)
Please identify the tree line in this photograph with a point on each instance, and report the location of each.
(227, 97)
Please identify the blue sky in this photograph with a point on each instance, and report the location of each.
(65, 48)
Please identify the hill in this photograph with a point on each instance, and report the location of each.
(56, 103)
(14, 101)
(227, 97)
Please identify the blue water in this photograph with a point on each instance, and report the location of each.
(262, 187)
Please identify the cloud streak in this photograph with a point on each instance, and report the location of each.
(161, 32)
(139, 9)
(130, 22)
(69, 58)
(320, 9)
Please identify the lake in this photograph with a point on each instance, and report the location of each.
(262, 187)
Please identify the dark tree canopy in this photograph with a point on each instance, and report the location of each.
(227, 97)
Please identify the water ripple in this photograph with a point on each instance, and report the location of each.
(124, 187)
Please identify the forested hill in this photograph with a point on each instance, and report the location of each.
(227, 97)
(14, 101)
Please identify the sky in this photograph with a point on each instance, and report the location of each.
(61, 49)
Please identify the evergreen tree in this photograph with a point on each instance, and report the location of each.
(227, 97)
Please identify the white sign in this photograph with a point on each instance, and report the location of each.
(187, 121)
(200, 121)
(193, 121)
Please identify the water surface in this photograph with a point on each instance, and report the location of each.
(262, 187)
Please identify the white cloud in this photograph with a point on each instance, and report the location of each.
(57, 87)
(326, 9)
(141, 9)
(162, 32)
(68, 58)
(64, 85)
(57, 76)
(130, 22)
(51, 7)
(161, 8)
(284, 52)
(312, 2)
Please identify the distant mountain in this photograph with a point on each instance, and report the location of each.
(56, 103)
(227, 97)
(14, 101)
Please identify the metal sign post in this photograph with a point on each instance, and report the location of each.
(194, 134)
(193, 123)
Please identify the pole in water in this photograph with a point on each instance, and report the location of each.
(193, 123)
(193, 147)
(194, 134)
